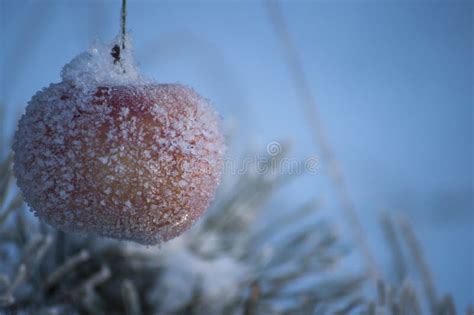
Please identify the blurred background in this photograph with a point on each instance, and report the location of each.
(393, 81)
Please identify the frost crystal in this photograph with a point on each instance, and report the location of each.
(97, 66)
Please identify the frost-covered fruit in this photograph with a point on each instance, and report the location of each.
(116, 155)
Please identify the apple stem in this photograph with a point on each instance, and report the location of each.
(123, 19)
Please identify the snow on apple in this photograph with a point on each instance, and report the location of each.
(108, 152)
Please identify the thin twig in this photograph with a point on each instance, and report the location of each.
(5, 178)
(130, 298)
(416, 253)
(7, 298)
(123, 21)
(14, 205)
(66, 267)
(409, 302)
(96, 279)
(394, 243)
(116, 50)
(301, 84)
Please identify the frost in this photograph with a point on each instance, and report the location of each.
(219, 278)
(97, 67)
(112, 143)
(124, 111)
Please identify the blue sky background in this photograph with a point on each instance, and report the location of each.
(393, 81)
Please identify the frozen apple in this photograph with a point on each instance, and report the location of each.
(106, 152)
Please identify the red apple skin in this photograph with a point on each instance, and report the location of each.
(139, 163)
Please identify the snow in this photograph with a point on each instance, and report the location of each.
(96, 66)
(219, 278)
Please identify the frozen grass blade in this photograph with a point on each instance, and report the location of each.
(390, 234)
(416, 253)
(66, 268)
(130, 298)
(302, 86)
